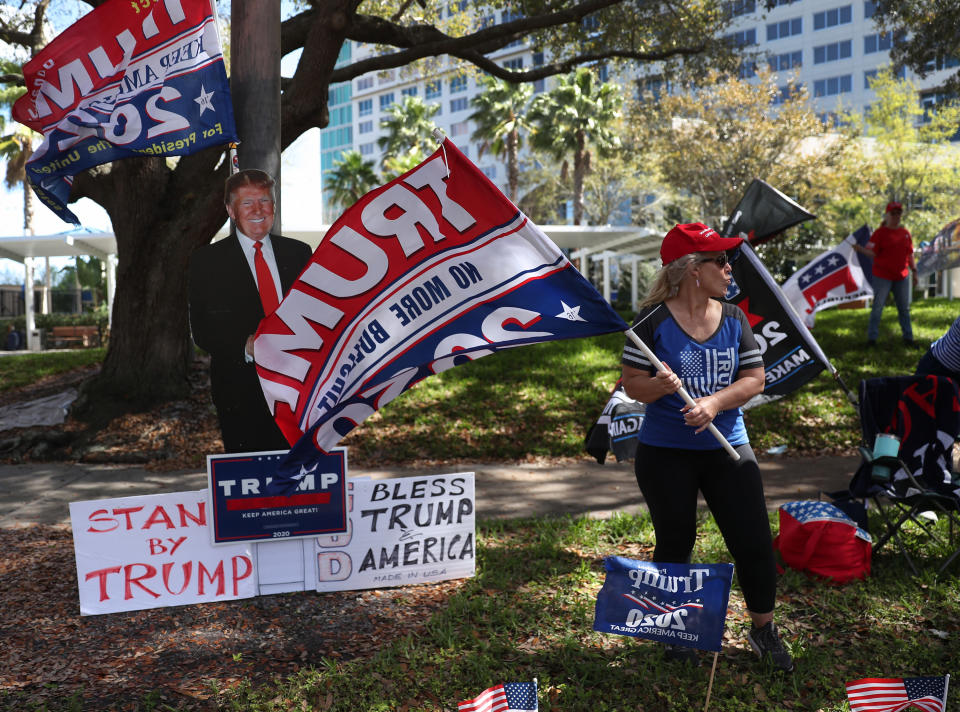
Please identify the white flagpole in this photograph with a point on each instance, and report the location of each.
(658, 364)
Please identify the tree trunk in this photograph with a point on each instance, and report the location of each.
(513, 167)
(579, 172)
(158, 221)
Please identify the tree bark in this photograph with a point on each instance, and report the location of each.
(159, 217)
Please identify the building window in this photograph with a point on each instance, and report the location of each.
(365, 107)
(786, 28)
(779, 3)
(868, 77)
(832, 18)
(787, 61)
(490, 172)
(747, 70)
(869, 9)
(434, 89)
(735, 8)
(510, 15)
(458, 83)
(386, 101)
(514, 64)
(364, 83)
(409, 91)
(785, 92)
(743, 39)
(833, 86)
(365, 127)
(832, 52)
(881, 42)
(460, 104)
(460, 128)
(367, 149)
(386, 76)
(539, 86)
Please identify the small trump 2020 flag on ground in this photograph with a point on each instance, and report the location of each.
(520, 696)
(882, 694)
(679, 604)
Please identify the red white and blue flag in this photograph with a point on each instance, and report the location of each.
(832, 278)
(677, 604)
(434, 269)
(127, 79)
(508, 697)
(880, 694)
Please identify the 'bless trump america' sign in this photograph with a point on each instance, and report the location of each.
(679, 604)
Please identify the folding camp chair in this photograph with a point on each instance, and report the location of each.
(907, 472)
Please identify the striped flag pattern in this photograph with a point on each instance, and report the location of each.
(507, 697)
(877, 694)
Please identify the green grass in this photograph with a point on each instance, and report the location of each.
(529, 613)
(529, 610)
(539, 401)
(26, 369)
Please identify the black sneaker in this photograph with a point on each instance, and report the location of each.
(766, 641)
(681, 654)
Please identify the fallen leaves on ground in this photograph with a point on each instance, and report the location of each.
(184, 653)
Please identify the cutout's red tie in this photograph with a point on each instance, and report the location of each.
(268, 290)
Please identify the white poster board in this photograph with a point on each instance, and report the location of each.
(152, 551)
(401, 531)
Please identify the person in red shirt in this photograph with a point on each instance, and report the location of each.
(891, 248)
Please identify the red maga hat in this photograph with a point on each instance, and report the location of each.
(694, 237)
(894, 205)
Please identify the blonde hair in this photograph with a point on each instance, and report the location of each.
(667, 282)
(248, 176)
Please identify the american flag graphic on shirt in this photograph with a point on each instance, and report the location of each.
(705, 370)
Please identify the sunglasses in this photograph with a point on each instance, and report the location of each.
(719, 260)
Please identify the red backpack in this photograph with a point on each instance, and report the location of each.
(819, 538)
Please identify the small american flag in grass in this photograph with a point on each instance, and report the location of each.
(881, 694)
(509, 696)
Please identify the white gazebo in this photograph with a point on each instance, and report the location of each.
(80, 241)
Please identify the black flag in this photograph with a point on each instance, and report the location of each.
(763, 212)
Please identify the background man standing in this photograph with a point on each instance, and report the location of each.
(234, 284)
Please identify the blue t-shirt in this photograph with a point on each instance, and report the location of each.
(704, 367)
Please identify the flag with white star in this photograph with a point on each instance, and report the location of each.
(676, 604)
(127, 79)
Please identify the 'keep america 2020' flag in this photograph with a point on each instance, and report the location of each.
(434, 269)
(677, 604)
(127, 79)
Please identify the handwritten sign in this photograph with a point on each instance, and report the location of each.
(152, 551)
(402, 531)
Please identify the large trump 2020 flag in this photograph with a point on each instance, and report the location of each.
(127, 79)
(431, 270)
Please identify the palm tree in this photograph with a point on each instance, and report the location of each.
(351, 178)
(17, 148)
(500, 116)
(574, 115)
(408, 124)
(402, 162)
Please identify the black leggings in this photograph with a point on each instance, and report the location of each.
(670, 478)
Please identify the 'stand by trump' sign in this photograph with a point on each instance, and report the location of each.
(153, 551)
(402, 531)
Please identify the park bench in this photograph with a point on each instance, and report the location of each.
(71, 336)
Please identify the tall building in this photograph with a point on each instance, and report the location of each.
(832, 47)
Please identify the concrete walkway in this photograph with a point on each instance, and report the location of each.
(40, 493)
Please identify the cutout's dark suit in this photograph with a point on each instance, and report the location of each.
(225, 309)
